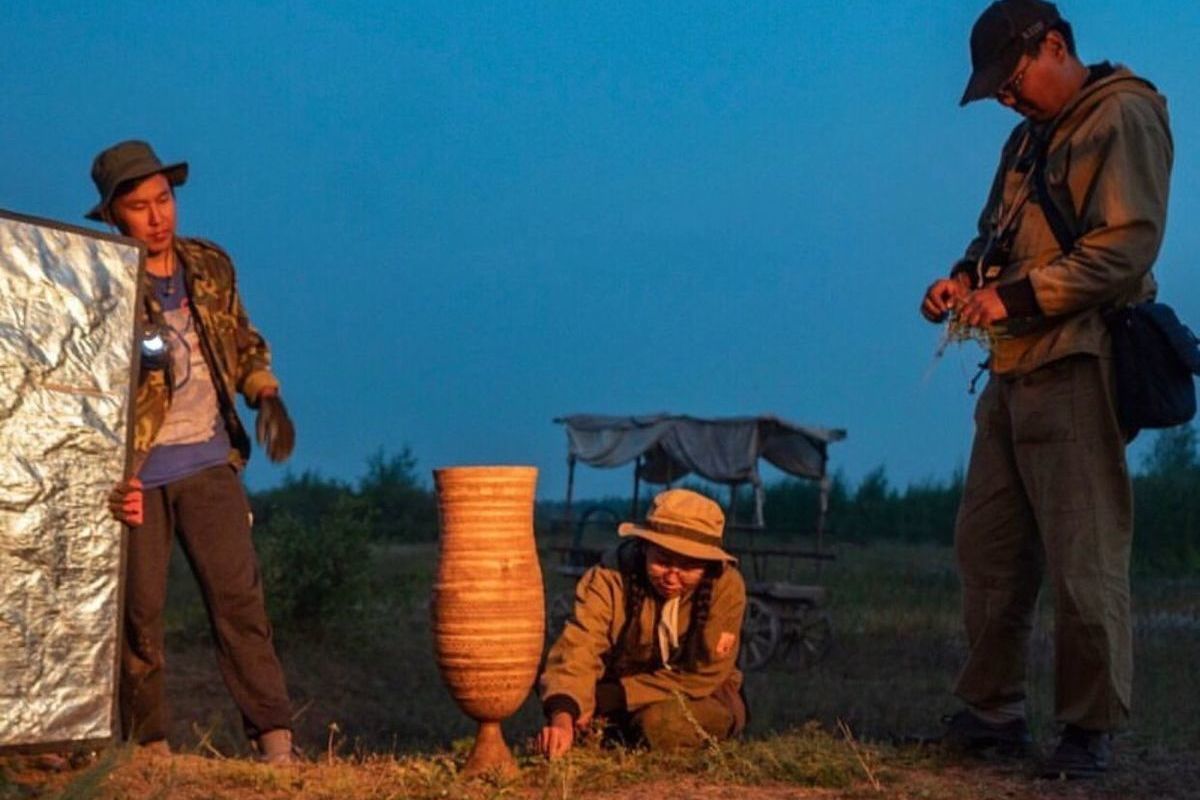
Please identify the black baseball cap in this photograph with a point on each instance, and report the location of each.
(1001, 34)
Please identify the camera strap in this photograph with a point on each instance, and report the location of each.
(1008, 216)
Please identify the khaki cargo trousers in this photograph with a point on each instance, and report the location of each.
(1048, 493)
(677, 723)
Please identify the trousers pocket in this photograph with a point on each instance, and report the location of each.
(1042, 403)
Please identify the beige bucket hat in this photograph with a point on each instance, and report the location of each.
(683, 522)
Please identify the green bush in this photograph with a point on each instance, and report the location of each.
(307, 498)
(316, 570)
(405, 510)
(1167, 505)
(874, 510)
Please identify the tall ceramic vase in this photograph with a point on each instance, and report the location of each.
(487, 608)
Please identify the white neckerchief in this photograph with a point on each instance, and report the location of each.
(667, 629)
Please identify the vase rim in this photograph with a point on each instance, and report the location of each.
(486, 468)
(486, 473)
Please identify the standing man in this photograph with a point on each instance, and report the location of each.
(1071, 228)
(198, 350)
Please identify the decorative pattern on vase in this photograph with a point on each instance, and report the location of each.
(488, 602)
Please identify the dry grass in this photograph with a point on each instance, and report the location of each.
(805, 763)
(898, 645)
(959, 332)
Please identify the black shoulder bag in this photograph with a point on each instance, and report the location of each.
(1154, 354)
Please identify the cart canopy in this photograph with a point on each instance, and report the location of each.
(723, 450)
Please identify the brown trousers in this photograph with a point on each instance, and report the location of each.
(210, 514)
(1048, 492)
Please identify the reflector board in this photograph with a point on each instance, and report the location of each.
(68, 299)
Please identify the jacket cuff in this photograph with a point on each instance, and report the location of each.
(962, 265)
(1019, 299)
(560, 702)
(255, 383)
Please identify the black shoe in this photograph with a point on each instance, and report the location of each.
(1080, 754)
(967, 733)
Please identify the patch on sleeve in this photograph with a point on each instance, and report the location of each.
(725, 644)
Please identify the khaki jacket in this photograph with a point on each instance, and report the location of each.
(585, 652)
(237, 355)
(1108, 169)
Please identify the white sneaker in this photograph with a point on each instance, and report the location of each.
(275, 747)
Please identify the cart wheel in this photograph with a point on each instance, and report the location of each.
(810, 638)
(760, 634)
(558, 613)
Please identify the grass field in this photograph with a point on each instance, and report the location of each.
(374, 720)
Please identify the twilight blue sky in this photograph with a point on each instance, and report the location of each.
(454, 221)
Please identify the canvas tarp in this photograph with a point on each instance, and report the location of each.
(724, 450)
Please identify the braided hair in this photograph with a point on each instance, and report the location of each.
(701, 608)
(631, 560)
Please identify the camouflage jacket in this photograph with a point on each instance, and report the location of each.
(237, 355)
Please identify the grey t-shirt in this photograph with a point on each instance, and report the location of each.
(193, 436)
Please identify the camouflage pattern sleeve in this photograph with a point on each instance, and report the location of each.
(150, 409)
(243, 353)
(253, 355)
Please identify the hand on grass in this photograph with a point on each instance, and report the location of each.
(556, 738)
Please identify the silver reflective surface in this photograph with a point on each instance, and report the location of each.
(67, 303)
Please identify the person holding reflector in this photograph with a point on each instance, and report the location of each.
(199, 350)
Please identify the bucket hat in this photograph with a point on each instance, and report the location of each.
(1003, 32)
(129, 161)
(683, 522)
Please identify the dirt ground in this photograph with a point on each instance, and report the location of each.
(130, 774)
(373, 719)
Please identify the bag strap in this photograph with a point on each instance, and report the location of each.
(1058, 226)
(1054, 218)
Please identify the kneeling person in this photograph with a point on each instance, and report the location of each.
(652, 645)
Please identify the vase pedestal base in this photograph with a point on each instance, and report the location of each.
(490, 753)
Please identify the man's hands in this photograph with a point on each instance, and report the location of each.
(981, 308)
(274, 430)
(126, 504)
(556, 738)
(978, 309)
(943, 295)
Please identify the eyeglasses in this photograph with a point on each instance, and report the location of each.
(663, 561)
(1011, 88)
(680, 567)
